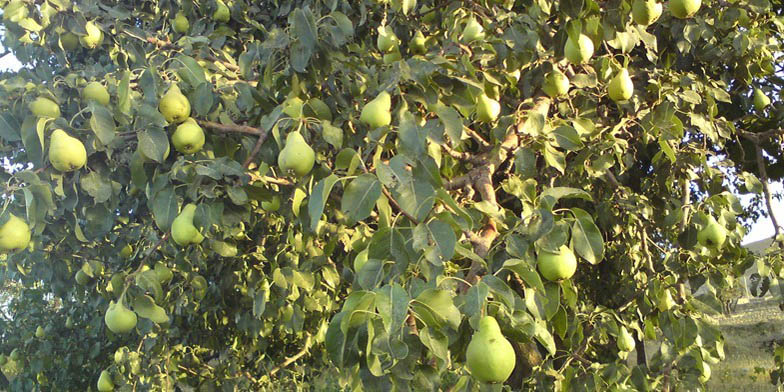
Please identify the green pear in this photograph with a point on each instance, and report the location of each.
(376, 113)
(472, 31)
(181, 23)
(69, 41)
(44, 107)
(183, 231)
(174, 106)
(105, 382)
(684, 9)
(556, 84)
(387, 41)
(118, 318)
(15, 11)
(490, 357)
(271, 205)
(69, 322)
(417, 43)
(222, 13)
(712, 234)
(579, 52)
(360, 260)
(761, 101)
(645, 12)
(39, 332)
(14, 234)
(557, 266)
(188, 138)
(81, 278)
(392, 56)
(625, 341)
(487, 109)
(66, 153)
(621, 87)
(94, 36)
(96, 92)
(297, 156)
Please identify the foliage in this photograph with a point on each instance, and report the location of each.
(452, 209)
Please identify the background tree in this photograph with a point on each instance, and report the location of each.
(323, 193)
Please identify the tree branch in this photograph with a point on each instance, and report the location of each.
(765, 190)
(229, 128)
(292, 359)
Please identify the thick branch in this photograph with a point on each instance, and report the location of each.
(229, 128)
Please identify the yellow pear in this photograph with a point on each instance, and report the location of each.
(621, 87)
(472, 31)
(487, 109)
(174, 106)
(761, 101)
(14, 234)
(183, 231)
(44, 107)
(625, 341)
(96, 92)
(376, 112)
(417, 43)
(580, 51)
(490, 357)
(645, 12)
(683, 9)
(557, 266)
(556, 84)
(39, 332)
(69, 41)
(712, 234)
(222, 13)
(118, 318)
(181, 23)
(296, 156)
(66, 153)
(387, 41)
(105, 382)
(94, 36)
(188, 138)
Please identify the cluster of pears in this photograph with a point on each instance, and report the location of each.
(188, 137)
(183, 231)
(555, 266)
(14, 234)
(712, 235)
(297, 156)
(490, 357)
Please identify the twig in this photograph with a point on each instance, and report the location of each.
(462, 156)
(229, 128)
(395, 203)
(252, 156)
(292, 359)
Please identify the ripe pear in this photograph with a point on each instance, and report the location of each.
(181, 23)
(118, 318)
(556, 84)
(297, 155)
(174, 106)
(360, 260)
(69, 41)
(761, 101)
(66, 153)
(621, 87)
(14, 234)
(472, 31)
(105, 382)
(387, 41)
(684, 9)
(183, 231)
(487, 109)
(625, 341)
(712, 234)
(39, 332)
(15, 11)
(579, 52)
(44, 107)
(376, 113)
(188, 138)
(94, 36)
(557, 266)
(222, 13)
(417, 43)
(96, 92)
(645, 12)
(490, 357)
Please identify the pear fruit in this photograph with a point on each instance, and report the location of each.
(188, 138)
(297, 156)
(490, 357)
(69, 322)
(376, 113)
(105, 382)
(39, 332)
(271, 205)
(14, 234)
(556, 84)
(579, 52)
(487, 109)
(392, 56)
(625, 341)
(645, 12)
(386, 41)
(417, 43)
(174, 106)
(81, 278)
(684, 9)
(118, 318)
(557, 266)
(15, 11)
(66, 153)
(96, 92)
(360, 260)
(94, 36)
(69, 41)
(44, 107)
(181, 23)
(712, 234)
(183, 231)
(761, 101)
(621, 87)
(472, 31)
(222, 13)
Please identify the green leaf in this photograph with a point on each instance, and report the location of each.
(124, 94)
(586, 237)
(437, 239)
(164, 208)
(148, 281)
(318, 199)
(561, 192)
(392, 305)
(543, 335)
(223, 248)
(500, 290)
(359, 197)
(526, 271)
(153, 143)
(453, 123)
(304, 27)
(567, 138)
(97, 186)
(32, 133)
(102, 123)
(145, 307)
(9, 128)
(191, 72)
(202, 99)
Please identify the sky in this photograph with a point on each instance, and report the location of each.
(761, 229)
